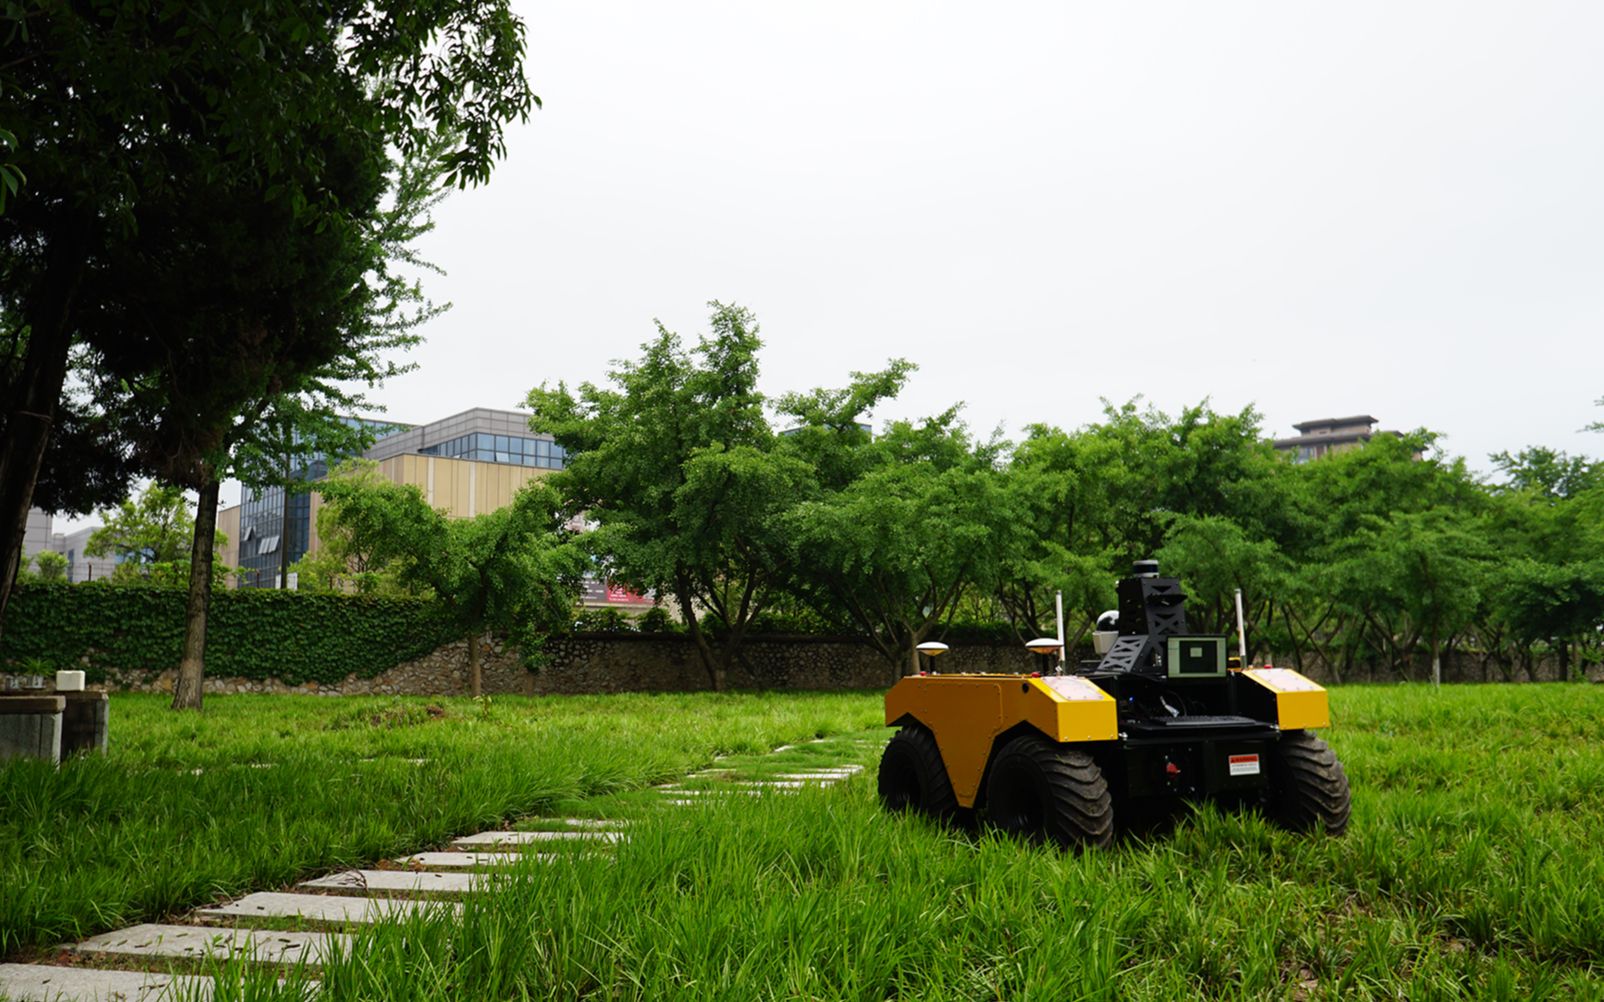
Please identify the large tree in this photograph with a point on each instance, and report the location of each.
(150, 536)
(674, 464)
(511, 570)
(244, 141)
(891, 552)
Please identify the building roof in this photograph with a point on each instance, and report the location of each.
(1336, 438)
(1342, 422)
(482, 420)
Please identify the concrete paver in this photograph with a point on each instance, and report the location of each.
(465, 860)
(489, 840)
(398, 882)
(329, 909)
(193, 942)
(39, 983)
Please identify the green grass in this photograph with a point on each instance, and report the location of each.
(1473, 869)
(259, 791)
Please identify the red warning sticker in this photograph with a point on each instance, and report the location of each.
(1243, 765)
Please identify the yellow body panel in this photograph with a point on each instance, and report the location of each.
(967, 712)
(1299, 702)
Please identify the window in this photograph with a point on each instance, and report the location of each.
(269, 544)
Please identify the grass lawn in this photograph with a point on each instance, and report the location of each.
(1472, 868)
(259, 790)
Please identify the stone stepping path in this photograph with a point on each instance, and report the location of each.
(377, 882)
(37, 983)
(323, 909)
(490, 840)
(465, 860)
(192, 942)
(422, 882)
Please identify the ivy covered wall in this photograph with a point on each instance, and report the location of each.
(251, 633)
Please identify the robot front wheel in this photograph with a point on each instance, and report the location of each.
(1040, 787)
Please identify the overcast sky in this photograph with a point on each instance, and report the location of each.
(1319, 209)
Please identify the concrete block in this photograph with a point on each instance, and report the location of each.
(30, 727)
(196, 942)
(69, 681)
(490, 840)
(383, 882)
(40, 983)
(323, 909)
(84, 722)
(464, 860)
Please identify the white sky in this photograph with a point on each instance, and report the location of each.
(1321, 208)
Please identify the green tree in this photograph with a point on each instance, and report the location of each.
(1560, 605)
(241, 145)
(675, 466)
(1215, 557)
(510, 570)
(49, 566)
(344, 562)
(150, 536)
(892, 552)
(1415, 575)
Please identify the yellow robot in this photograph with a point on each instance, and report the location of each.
(1161, 716)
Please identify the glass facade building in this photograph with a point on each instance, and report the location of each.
(276, 531)
(514, 449)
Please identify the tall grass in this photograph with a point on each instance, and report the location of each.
(260, 790)
(1472, 870)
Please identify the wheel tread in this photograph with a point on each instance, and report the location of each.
(1312, 788)
(1077, 809)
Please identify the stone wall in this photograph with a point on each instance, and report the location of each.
(619, 662)
(634, 662)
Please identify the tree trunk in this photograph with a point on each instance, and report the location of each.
(1436, 660)
(475, 666)
(192, 668)
(32, 413)
(715, 670)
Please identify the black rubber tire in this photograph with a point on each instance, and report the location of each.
(1039, 787)
(1309, 790)
(912, 775)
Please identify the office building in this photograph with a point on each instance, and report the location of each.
(1327, 435)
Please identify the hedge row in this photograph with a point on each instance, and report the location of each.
(251, 633)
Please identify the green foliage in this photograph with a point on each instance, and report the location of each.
(151, 538)
(252, 634)
(346, 562)
(1471, 871)
(203, 213)
(892, 552)
(156, 528)
(675, 465)
(604, 621)
(50, 567)
(264, 791)
(657, 620)
(511, 570)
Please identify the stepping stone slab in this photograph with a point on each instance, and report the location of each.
(675, 791)
(331, 909)
(201, 941)
(34, 983)
(382, 882)
(841, 773)
(490, 840)
(465, 860)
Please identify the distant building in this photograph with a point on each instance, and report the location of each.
(81, 566)
(37, 537)
(467, 464)
(1327, 435)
